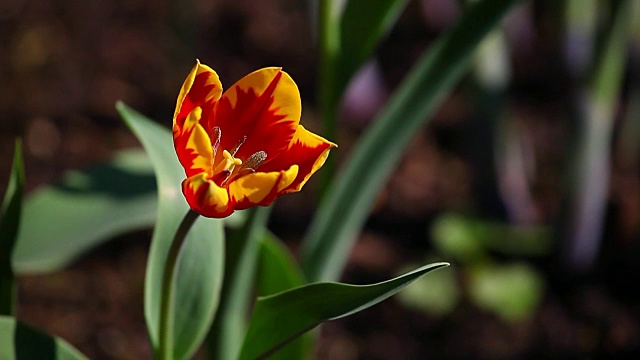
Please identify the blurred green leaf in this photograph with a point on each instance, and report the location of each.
(241, 258)
(199, 275)
(581, 22)
(347, 204)
(84, 209)
(468, 239)
(347, 38)
(491, 67)
(277, 268)
(329, 47)
(277, 272)
(587, 178)
(21, 342)
(511, 291)
(10, 212)
(457, 237)
(280, 318)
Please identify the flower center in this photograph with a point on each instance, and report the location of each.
(230, 167)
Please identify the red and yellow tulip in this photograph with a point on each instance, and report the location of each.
(244, 147)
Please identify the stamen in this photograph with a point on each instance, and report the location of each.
(235, 149)
(216, 133)
(254, 160)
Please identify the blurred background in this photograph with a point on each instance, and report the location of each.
(533, 199)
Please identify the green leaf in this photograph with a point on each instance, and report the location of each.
(511, 291)
(280, 318)
(19, 341)
(587, 179)
(83, 209)
(277, 272)
(346, 40)
(87, 207)
(364, 23)
(347, 204)
(467, 239)
(277, 268)
(241, 257)
(199, 275)
(9, 220)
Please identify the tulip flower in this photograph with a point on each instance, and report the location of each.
(244, 147)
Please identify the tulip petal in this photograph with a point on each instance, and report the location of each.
(193, 145)
(265, 107)
(308, 150)
(260, 188)
(206, 198)
(201, 88)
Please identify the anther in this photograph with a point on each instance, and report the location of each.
(254, 160)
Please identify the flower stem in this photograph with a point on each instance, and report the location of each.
(165, 340)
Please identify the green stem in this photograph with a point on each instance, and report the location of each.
(328, 100)
(165, 341)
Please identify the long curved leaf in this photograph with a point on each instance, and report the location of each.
(199, 275)
(19, 341)
(347, 204)
(348, 36)
(280, 318)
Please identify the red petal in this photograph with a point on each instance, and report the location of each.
(307, 150)
(201, 88)
(265, 107)
(260, 188)
(206, 198)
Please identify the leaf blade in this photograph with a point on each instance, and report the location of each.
(277, 272)
(83, 209)
(280, 318)
(277, 268)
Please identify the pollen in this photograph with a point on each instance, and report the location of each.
(254, 160)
